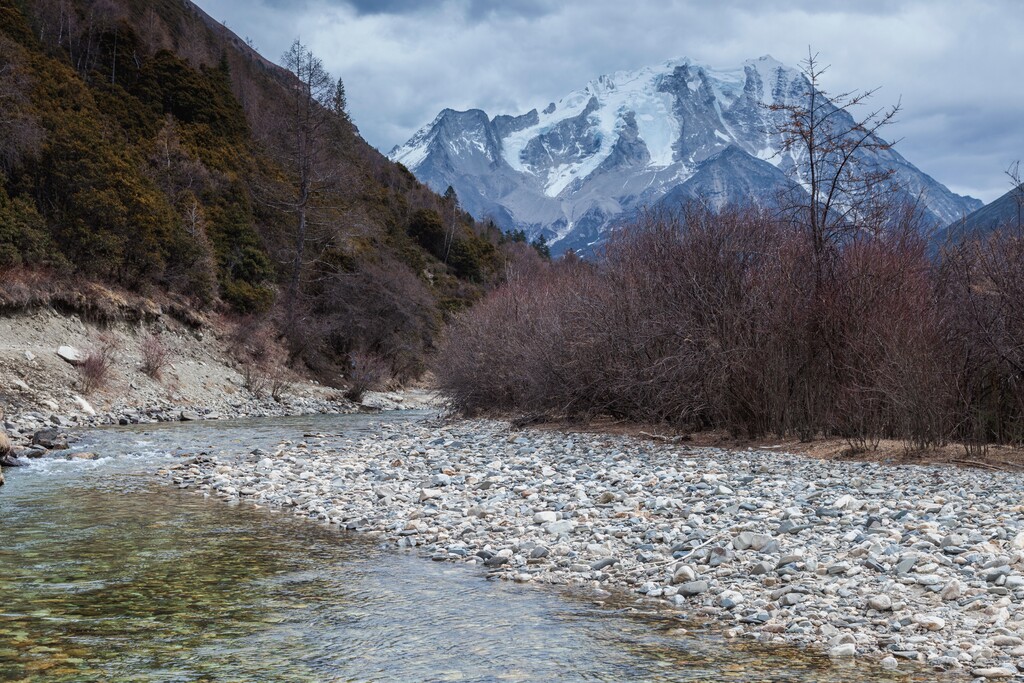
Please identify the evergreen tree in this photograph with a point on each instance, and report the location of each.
(339, 103)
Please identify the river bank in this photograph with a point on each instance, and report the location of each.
(897, 562)
(38, 433)
(44, 403)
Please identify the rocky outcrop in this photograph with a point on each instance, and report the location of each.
(51, 439)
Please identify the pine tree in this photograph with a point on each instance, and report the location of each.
(339, 103)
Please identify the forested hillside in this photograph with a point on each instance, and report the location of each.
(145, 147)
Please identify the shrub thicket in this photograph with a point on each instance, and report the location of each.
(718, 321)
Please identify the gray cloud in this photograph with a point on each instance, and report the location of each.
(955, 64)
(474, 10)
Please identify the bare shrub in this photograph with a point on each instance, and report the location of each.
(261, 356)
(383, 308)
(734, 321)
(255, 379)
(983, 288)
(155, 355)
(280, 385)
(95, 368)
(503, 354)
(717, 320)
(366, 373)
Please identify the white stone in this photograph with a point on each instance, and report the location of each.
(929, 622)
(844, 650)
(684, 574)
(427, 494)
(562, 526)
(85, 406)
(992, 672)
(545, 517)
(71, 355)
(882, 603)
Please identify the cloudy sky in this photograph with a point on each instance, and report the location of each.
(956, 64)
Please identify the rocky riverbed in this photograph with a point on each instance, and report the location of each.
(36, 433)
(861, 559)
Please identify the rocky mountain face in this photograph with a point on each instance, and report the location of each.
(1004, 212)
(633, 139)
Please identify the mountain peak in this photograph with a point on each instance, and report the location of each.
(767, 60)
(625, 141)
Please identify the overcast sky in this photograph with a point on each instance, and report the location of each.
(956, 64)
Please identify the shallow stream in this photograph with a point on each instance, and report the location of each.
(109, 573)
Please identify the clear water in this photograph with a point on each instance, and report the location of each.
(106, 573)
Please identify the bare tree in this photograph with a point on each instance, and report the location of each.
(314, 118)
(19, 132)
(828, 146)
(1013, 173)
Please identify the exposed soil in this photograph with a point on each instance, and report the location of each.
(201, 372)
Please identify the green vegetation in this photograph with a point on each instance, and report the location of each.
(145, 147)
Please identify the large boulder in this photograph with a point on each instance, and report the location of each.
(51, 439)
(5, 444)
(7, 458)
(71, 355)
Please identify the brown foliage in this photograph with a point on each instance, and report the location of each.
(724, 321)
(95, 369)
(155, 355)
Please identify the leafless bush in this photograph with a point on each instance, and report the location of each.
(255, 379)
(383, 307)
(155, 355)
(280, 385)
(261, 357)
(707, 320)
(366, 373)
(983, 299)
(95, 368)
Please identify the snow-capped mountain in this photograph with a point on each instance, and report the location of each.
(632, 139)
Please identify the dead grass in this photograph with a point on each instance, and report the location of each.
(889, 451)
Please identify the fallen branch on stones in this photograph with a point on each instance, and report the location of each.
(662, 437)
(1005, 466)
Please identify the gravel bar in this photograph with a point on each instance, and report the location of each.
(858, 559)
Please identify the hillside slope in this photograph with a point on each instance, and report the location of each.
(145, 146)
(1003, 212)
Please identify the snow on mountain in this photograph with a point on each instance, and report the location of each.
(667, 134)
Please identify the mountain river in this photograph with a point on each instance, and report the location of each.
(108, 573)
